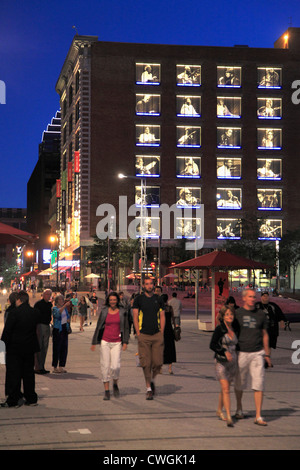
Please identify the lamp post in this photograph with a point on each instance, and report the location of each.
(143, 214)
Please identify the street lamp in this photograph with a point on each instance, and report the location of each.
(143, 214)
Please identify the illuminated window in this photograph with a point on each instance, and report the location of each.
(149, 229)
(188, 197)
(229, 168)
(269, 169)
(269, 199)
(229, 77)
(229, 198)
(188, 227)
(229, 137)
(188, 167)
(147, 74)
(152, 196)
(269, 77)
(147, 105)
(270, 229)
(188, 75)
(228, 107)
(229, 229)
(269, 108)
(147, 165)
(188, 136)
(147, 135)
(269, 139)
(188, 106)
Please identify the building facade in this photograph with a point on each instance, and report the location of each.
(39, 190)
(203, 126)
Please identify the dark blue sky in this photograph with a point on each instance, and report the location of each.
(35, 37)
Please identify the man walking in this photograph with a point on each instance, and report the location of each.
(19, 336)
(149, 324)
(274, 315)
(253, 352)
(44, 306)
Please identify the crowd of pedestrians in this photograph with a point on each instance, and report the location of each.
(242, 341)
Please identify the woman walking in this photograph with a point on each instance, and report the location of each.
(61, 328)
(169, 342)
(82, 309)
(112, 333)
(223, 343)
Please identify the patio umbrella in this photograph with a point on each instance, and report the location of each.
(171, 275)
(221, 260)
(47, 272)
(218, 260)
(12, 235)
(92, 276)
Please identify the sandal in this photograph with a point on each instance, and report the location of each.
(260, 422)
(221, 416)
(239, 415)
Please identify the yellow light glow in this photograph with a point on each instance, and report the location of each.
(286, 37)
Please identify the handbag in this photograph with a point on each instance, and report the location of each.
(177, 333)
(220, 357)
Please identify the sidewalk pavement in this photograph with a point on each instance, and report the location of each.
(71, 413)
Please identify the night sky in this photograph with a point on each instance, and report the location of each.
(35, 37)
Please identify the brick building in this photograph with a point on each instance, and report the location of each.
(216, 126)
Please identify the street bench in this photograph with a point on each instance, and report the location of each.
(291, 318)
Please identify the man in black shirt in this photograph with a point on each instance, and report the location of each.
(149, 323)
(44, 306)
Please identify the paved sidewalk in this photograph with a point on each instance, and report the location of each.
(71, 414)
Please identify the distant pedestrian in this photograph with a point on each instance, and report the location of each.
(74, 301)
(44, 306)
(94, 302)
(82, 310)
(274, 315)
(253, 340)
(231, 302)
(19, 336)
(112, 333)
(149, 324)
(223, 343)
(61, 328)
(176, 305)
(169, 341)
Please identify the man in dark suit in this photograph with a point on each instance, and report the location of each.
(20, 338)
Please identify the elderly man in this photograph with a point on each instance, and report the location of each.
(44, 306)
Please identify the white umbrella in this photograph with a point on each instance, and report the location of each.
(47, 272)
(171, 275)
(92, 276)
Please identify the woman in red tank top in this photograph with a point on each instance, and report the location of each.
(112, 332)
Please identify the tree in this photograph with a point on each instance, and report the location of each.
(8, 270)
(289, 253)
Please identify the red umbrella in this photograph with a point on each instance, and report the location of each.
(12, 235)
(221, 259)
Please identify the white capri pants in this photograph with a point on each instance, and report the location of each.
(250, 365)
(110, 360)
